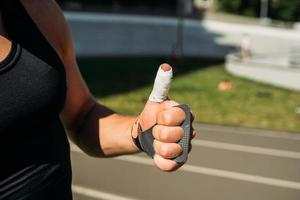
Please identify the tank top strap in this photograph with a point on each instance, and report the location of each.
(22, 30)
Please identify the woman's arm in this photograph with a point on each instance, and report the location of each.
(83, 117)
(95, 128)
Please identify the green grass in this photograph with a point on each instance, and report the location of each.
(233, 18)
(240, 19)
(124, 85)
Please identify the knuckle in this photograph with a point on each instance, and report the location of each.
(193, 115)
(181, 132)
(164, 134)
(156, 132)
(169, 168)
(179, 149)
(167, 119)
(194, 133)
(155, 146)
(190, 148)
(164, 151)
(181, 112)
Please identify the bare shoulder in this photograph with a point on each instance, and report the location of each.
(50, 20)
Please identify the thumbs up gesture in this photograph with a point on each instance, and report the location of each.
(164, 128)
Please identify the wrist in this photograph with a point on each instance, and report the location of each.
(135, 130)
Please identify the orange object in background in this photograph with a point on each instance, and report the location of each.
(225, 85)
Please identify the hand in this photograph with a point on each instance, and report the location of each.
(161, 111)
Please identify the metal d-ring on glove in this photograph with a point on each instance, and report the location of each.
(145, 139)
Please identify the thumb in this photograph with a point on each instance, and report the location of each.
(158, 95)
(162, 84)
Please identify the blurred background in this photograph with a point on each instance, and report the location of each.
(236, 63)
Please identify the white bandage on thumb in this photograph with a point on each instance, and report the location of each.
(161, 85)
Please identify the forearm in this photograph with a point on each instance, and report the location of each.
(104, 133)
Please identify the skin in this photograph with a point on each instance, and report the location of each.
(5, 45)
(96, 129)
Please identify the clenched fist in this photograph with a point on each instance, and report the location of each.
(164, 118)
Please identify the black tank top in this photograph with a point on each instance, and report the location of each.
(34, 150)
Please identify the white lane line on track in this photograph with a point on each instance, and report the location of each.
(214, 172)
(247, 131)
(247, 149)
(221, 173)
(97, 194)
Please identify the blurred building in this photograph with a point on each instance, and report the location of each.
(189, 8)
